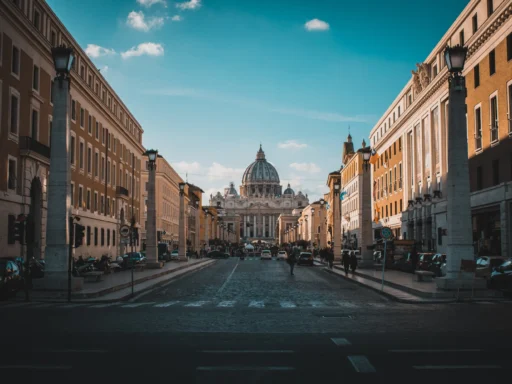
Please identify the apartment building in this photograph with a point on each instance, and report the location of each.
(418, 116)
(105, 138)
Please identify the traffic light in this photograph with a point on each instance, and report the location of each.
(79, 235)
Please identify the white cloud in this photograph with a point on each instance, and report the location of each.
(183, 166)
(96, 51)
(192, 4)
(138, 21)
(150, 49)
(104, 70)
(149, 3)
(218, 171)
(291, 144)
(324, 116)
(316, 25)
(176, 18)
(305, 167)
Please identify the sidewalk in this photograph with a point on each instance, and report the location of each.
(117, 286)
(403, 287)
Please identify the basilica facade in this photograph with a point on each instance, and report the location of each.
(253, 213)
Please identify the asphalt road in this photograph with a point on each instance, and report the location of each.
(250, 321)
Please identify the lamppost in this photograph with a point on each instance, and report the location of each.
(322, 235)
(366, 231)
(306, 228)
(206, 228)
(58, 226)
(182, 242)
(337, 221)
(312, 229)
(198, 226)
(458, 207)
(151, 235)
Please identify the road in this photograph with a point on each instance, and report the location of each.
(252, 321)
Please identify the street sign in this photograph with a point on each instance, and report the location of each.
(386, 233)
(124, 231)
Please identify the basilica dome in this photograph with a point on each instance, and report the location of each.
(260, 171)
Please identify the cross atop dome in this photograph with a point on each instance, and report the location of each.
(260, 155)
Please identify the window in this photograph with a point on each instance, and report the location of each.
(95, 236)
(490, 8)
(89, 81)
(494, 119)
(509, 46)
(15, 63)
(11, 174)
(479, 178)
(89, 125)
(398, 111)
(97, 130)
(35, 78)
(394, 117)
(82, 117)
(14, 110)
(37, 19)
(96, 163)
(88, 235)
(492, 62)
(478, 129)
(510, 108)
(82, 72)
(113, 237)
(80, 196)
(81, 152)
(434, 70)
(50, 128)
(410, 98)
(53, 38)
(73, 110)
(34, 127)
(108, 171)
(72, 192)
(401, 207)
(102, 171)
(88, 201)
(476, 75)
(51, 93)
(102, 202)
(103, 135)
(108, 237)
(396, 206)
(72, 150)
(461, 37)
(475, 22)
(495, 172)
(95, 201)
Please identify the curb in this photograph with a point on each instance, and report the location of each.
(88, 297)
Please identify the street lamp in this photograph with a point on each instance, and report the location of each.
(455, 58)
(63, 58)
(151, 230)
(182, 246)
(367, 154)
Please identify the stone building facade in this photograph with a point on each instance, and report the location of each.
(105, 138)
(418, 116)
(255, 212)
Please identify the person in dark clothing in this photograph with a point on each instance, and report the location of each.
(414, 258)
(346, 261)
(292, 259)
(353, 261)
(330, 258)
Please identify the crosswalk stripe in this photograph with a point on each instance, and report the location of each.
(226, 304)
(256, 304)
(196, 303)
(135, 305)
(103, 305)
(287, 304)
(165, 305)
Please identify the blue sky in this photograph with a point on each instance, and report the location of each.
(209, 80)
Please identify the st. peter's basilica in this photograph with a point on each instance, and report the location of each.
(260, 202)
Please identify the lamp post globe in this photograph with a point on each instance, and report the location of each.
(63, 58)
(455, 58)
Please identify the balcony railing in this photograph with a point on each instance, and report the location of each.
(29, 144)
(121, 191)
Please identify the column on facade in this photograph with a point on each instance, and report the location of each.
(263, 226)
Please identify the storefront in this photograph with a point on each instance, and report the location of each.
(487, 231)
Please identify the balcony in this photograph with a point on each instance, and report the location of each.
(30, 147)
(122, 192)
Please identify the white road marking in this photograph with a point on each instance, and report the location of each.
(165, 305)
(37, 367)
(244, 368)
(361, 364)
(432, 350)
(71, 305)
(316, 304)
(234, 351)
(440, 367)
(257, 304)
(227, 280)
(346, 304)
(135, 305)
(340, 341)
(226, 304)
(103, 305)
(287, 304)
(196, 304)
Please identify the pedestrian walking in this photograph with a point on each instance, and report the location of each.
(330, 258)
(346, 262)
(292, 259)
(353, 261)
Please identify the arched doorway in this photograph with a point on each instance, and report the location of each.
(34, 219)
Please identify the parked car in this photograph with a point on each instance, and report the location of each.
(266, 255)
(501, 277)
(486, 264)
(403, 263)
(305, 258)
(436, 264)
(174, 255)
(133, 258)
(281, 255)
(424, 261)
(11, 279)
(217, 255)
